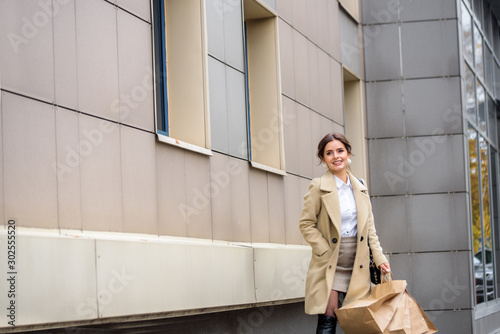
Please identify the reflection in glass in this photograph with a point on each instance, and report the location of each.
(478, 52)
(485, 248)
(494, 198)
(488, 67)
(470, 98)
(480, 106)
(478, 10)
(492, 119)
(467, 34)
(476, 211)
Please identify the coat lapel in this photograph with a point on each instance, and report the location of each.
(331, 198)
(362, 201)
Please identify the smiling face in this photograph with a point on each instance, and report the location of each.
(335, 157)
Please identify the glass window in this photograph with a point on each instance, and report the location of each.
(480, 95)
(476, 212)
(492, 119)
(478, 52)
(478, 10)
(485, 247)
(497, 80)
(467, 34)
(487, 20)
(181, 72)
(488, 66)
(496, 36)
(496, 225)
(263, 87)
(470, 95)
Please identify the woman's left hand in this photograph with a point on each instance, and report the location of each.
(385, 268)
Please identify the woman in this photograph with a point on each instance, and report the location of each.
(337, 222)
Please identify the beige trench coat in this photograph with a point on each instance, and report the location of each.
(320, 226)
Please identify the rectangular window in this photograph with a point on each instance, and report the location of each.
(355, 123)
(467, 34)
(470, 95)
(263, 87)
(478, 52)
(181, 73)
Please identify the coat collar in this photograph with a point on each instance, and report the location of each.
(331, 199)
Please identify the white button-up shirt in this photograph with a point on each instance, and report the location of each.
(348, 213)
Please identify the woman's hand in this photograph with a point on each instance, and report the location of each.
(385, 268)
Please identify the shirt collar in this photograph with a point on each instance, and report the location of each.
(341, 183)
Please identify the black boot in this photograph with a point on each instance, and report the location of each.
(326, 324)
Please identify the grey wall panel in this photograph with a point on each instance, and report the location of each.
(401, 268)
(384, 104)
(215, 28)
(218, 105)
(427, 10)
(432, 106)
(236, 113)
(379, 11)
(430, 49)
(452, 321)
(441, 281)
(435, 164)
(233, 36)
(382, 52)
(391, 221)
(438, 222)
(387, 171)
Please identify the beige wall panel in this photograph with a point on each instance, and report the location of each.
(136, 82)
(140, 8)
(322, 20)
(337, 91)
(159, 277)
(301, 63)
(303, 187)
(281, 273)
(313, 66)
(326, 93)
(293, 208)
(299, 20)
(259, 211)
(139, 181)
(304, 136)
(276, 208)
(240, 200)
(26, 49)
(30, 185)
(199, 193)
(101, 175)
(286, 58)
(311, 18)
(66, 80)
(284, 9)
(221, 198)
(54, 271)
(97, 58)
(334, 30)
(316, 136)
(290, 130)
(68, 170)
(186, 71)
(173, 210)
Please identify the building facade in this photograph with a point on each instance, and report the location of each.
(155, 155)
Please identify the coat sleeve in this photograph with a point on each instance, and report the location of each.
(309, 219)
(378, 256)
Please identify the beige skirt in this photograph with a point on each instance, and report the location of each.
(343, 272)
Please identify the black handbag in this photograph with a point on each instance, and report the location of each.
(375, 274)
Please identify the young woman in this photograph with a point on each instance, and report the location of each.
(337, 222)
